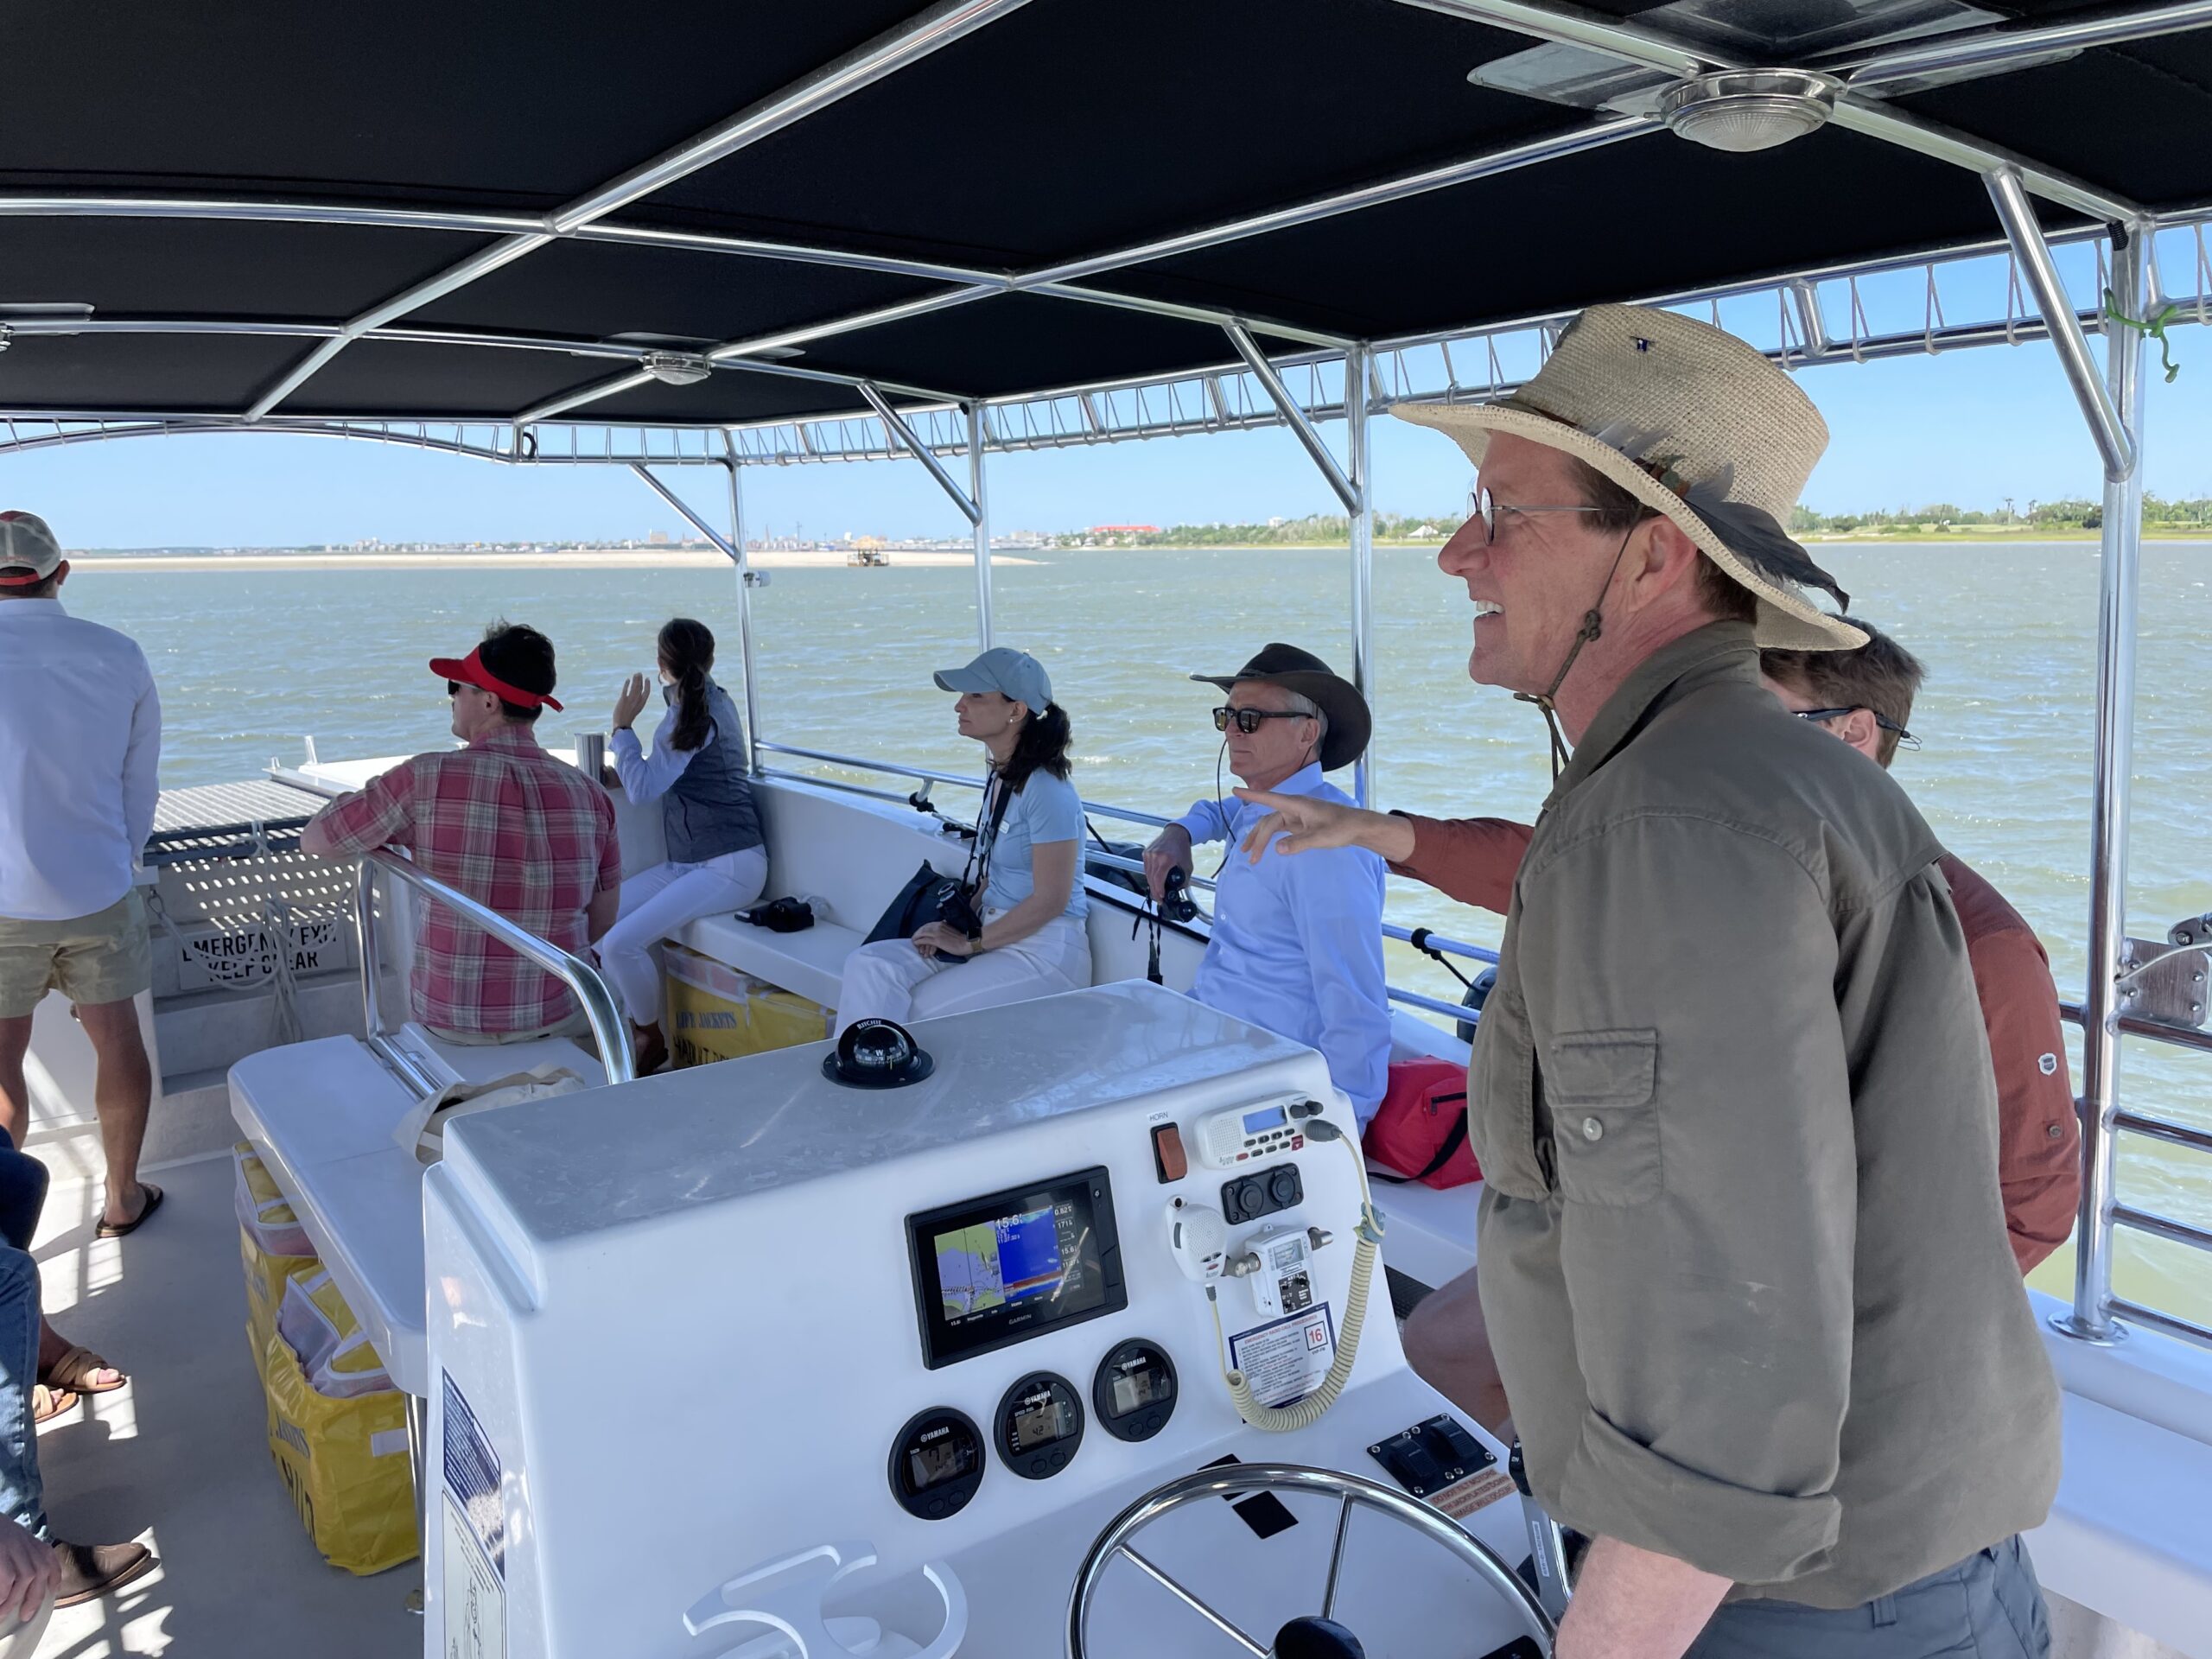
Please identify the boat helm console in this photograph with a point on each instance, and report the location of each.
(928, 1355)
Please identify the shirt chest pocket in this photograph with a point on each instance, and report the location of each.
(1602, 1087)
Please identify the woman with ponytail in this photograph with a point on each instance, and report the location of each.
(716, 860)
(1030, 896)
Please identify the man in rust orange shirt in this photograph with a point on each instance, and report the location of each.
(1864, 696)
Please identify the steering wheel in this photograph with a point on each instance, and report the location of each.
(1309, 1635)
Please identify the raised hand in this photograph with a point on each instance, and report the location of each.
(630, 701)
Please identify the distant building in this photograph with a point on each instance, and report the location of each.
(658, 539)
(1123, 530)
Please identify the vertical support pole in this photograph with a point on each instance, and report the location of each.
(2117, 569)
(1358, 362)
(744, 605)
(978, 433)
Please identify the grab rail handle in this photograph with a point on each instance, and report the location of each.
(579, 976)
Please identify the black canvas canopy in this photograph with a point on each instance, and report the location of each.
(715, 215)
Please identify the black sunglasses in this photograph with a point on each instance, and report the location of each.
(1247, 719)
(1905, 739)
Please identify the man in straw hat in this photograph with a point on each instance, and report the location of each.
(1743, 1258)
(1297, 946)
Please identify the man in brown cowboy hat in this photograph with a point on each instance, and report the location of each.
(1741, 1251)
(1297, 945)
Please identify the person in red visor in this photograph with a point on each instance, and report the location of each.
(507, 824)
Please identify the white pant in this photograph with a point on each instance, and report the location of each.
(893, 981)
(658, 901)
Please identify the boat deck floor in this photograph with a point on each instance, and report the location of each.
(179, 1459)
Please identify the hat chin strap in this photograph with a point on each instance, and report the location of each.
(1593, 624)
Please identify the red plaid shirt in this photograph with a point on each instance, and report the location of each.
(512, 828)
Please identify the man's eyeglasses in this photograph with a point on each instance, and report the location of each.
(453, 688)
(1247, 719)
(1483, 506)
(1822, 716)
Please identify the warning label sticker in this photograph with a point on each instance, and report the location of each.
(471, 1476)
(1286, 1359)
(1478, 1491)
(476, 1604)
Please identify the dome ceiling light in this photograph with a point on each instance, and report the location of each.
(678, 368)
(1741, 111)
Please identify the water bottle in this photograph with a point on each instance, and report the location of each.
(591, 753)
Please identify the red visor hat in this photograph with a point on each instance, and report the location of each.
(470, 671)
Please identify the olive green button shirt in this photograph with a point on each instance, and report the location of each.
(1743, 1255)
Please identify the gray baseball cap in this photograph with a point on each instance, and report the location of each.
(1011, 673)
(25, 541)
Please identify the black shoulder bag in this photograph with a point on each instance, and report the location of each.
(930, 897)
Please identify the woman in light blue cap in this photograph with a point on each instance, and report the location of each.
(1029, 895)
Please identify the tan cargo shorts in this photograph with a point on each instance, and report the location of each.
(104, 958)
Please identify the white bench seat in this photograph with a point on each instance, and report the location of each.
(322, 1116)
(811, 962)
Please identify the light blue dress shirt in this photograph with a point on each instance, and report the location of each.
(1298, 942)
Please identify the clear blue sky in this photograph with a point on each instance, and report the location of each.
(1971, 427)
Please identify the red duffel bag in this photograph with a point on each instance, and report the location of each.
(1420, 1128)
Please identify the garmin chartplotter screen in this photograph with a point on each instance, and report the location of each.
(1001, 1269)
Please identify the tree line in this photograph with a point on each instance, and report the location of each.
(1325, 529)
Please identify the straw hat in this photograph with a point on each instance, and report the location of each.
(1696, 425)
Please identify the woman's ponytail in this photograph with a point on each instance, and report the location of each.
(687, 652)
(1042, 746)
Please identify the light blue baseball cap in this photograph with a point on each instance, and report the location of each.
(1010, 673)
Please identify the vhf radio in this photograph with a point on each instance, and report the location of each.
(1244, 1133)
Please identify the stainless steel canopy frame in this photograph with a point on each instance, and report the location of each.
(2112, 406)
(733, 548)
(1821, 321)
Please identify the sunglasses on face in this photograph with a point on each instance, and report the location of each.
(1822, 716)
(1247, 719)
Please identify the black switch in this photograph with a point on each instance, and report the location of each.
(1410, 1463)
(1455, 1445)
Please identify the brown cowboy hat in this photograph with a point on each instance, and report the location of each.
(1349, 724)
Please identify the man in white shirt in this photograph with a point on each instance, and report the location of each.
(80, 742)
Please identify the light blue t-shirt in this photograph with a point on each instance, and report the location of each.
(1044, 809)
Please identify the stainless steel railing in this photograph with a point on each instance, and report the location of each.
(2096, 1241)
(579, 976)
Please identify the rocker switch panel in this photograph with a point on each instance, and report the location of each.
(1431, 1455)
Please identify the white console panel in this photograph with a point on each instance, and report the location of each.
(683, 1315)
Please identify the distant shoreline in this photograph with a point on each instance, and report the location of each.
(931, 558)
(568, 559)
